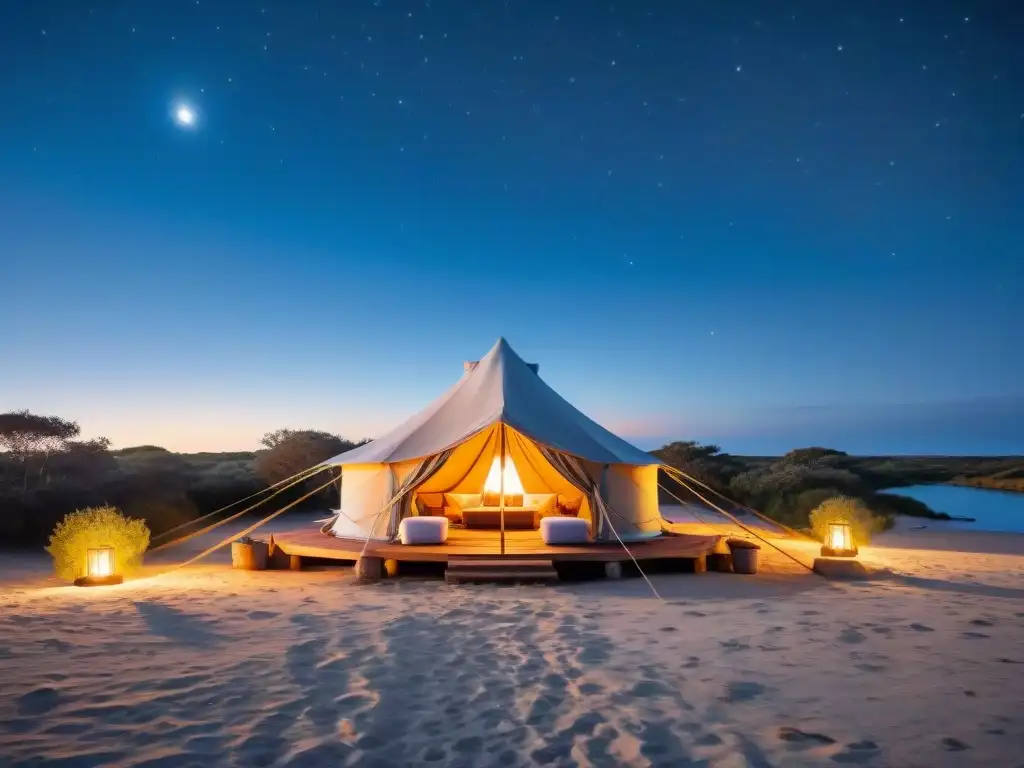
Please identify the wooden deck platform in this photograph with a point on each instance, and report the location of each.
(519, 545)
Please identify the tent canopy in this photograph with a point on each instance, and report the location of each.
(628, 492)
(500, 388)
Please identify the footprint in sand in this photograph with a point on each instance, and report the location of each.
(921, 627)
(975, 636)
(743, 691)
(851, 635)
(856, 753)
(54, 644)
(698, 614)
(982, 623)
(261, 615)
(796, 736)
(734, 645)
(38, 702)
(647, 689)
(708, 740)
(954, 745)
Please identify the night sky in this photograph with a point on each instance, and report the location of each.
(766, 224)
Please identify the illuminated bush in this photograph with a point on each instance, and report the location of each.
(97, 527)
(854, 511)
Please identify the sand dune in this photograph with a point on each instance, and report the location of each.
(209, 666)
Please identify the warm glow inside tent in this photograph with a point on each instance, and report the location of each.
(500, 447)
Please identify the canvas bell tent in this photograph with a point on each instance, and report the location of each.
(499, 449)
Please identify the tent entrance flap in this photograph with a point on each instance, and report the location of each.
(507, 481)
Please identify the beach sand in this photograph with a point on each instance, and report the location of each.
(920, 666)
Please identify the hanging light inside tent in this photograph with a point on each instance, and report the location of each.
(99, 568)
(839, 540)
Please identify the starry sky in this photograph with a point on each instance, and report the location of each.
(765, 224)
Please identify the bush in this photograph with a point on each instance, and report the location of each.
(96, 527)
(854, 511)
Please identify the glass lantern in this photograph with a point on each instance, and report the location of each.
(839, 540)
(99, 568)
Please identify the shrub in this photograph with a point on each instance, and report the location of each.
(854, 511)
(808, 501)
(96, 527)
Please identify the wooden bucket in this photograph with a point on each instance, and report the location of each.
(249, 555)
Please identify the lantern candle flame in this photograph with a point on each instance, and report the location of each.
(101, 562)
(839, 540)
(99, 568)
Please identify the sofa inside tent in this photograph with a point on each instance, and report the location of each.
(501, 450)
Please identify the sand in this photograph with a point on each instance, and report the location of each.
(923, 666)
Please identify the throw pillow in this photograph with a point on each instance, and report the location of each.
(544, 503)
(462, 500)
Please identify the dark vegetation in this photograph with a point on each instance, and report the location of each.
(789, 487)
(1011, 479)
(46, 471)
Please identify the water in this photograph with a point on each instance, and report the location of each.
(992, 510)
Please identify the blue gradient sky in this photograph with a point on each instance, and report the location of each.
(760, 225)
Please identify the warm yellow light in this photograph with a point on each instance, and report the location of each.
(493, 483)
(839, 540)
(100, 563)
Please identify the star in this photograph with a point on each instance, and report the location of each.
(185, 115)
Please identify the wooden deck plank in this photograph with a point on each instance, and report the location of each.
(525, 545)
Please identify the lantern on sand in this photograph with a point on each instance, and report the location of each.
(99, 568)
(839, 540)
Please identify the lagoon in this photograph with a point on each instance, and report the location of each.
(1001, 511)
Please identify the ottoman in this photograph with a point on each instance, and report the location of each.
(425, 529)
(564, 530)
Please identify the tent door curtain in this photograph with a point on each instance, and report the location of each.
(402, 507)
(573, 471)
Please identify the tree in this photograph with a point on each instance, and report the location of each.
(27, 435)
(290, 451)
(705, 463)
(812, 455)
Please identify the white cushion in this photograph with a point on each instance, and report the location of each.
(426, 529)
(463, 500)
(564, 530)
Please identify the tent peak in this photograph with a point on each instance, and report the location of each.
(501, 350)
(500, 387)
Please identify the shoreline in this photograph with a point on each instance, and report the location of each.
(984, 484)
